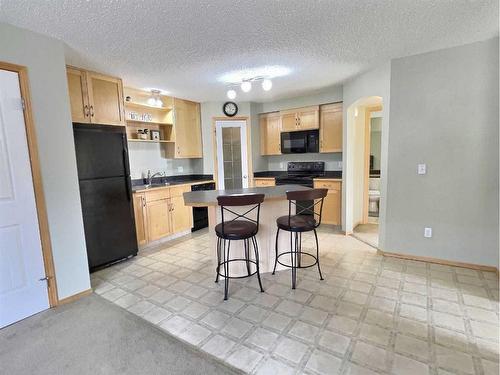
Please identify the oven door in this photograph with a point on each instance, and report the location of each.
(294, 142)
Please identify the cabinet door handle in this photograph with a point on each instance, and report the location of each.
(86, 110)
(143, 202)
(91, 111)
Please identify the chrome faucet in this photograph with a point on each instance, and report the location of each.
(151, 176)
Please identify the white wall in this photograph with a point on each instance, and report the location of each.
(152, 156)
(375, 82)
(44, 58)
(445, 113)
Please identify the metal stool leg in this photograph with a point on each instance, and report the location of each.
(246, 244)
(293, 252)
(226, 268)
(276, 251)
(218, 259)
(317, 254)
(256, 249)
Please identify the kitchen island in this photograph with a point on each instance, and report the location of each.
(275, 205)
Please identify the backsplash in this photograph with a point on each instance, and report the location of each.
(144, 156)
(333, 161)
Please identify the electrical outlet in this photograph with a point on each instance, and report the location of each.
(427, 232)
(180, 169)
(282, 165)
(421, 169)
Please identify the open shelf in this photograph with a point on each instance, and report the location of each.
(149, 140)
(149, 122)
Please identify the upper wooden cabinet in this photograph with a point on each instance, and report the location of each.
(270, 134)
(78, 97)
(187, 128)
(330, 128)
(95, 98)
(306, 118)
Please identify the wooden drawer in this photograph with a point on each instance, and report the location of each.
(260, 182)
(177, 191)
(328, 184)
(157, 194)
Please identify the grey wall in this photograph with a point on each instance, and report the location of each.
(444, 112)
(375, 141)
(44, 58)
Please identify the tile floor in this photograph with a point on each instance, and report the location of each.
(371, 315)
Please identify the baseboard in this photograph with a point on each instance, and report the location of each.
(74, 297)
(445, 262)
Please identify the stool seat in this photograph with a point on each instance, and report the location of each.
(298, 223)
(236, 230)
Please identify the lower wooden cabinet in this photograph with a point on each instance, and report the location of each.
(160, 213)
(264, 181)
(332, 205)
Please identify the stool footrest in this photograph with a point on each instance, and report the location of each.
(237, 260)
(298, 254)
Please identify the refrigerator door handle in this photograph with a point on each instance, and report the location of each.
(125, 155)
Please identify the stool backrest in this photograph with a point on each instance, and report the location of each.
(240, 200)
(296, 197)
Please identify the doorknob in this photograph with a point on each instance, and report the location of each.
(244, 176)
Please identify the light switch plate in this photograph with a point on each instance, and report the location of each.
(421, 168)
(427, 232)
(282, 165)
(180, 169)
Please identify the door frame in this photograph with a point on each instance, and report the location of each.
(36, 176)
(249, 147)
(368, 112)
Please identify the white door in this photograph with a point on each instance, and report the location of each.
(232, 155)
(22, 293)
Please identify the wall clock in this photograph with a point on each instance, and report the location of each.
(230, 109)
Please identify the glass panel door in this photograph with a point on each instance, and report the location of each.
(231, 155)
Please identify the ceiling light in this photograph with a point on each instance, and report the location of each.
(246, 86)
(155, 100)
(267, 84)
(267, 71)
(231, 94)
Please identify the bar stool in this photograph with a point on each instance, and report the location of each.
(301, 222)
(241, 227)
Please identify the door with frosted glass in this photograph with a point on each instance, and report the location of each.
(232, 158)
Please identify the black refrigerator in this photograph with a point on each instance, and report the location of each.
(105, 192)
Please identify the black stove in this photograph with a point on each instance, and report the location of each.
(302, 173)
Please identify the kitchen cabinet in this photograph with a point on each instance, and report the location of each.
(78, 96)
(140, 218)
(161, 212)
(95, 98)
(330, 130)
(305, 118)
(181, 216)
(270, 134)
(187, 129)
(264, 181)
(332, 205)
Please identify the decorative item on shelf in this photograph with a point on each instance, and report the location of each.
(133, 115)
(155, 135)
(155, 100)
(128, 98)
(143, 134)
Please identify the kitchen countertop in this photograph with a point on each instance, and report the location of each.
(142, 188)
(209, 197)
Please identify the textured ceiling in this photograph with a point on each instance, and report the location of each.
(185, 46)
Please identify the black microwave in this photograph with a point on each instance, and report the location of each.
(300, 142)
